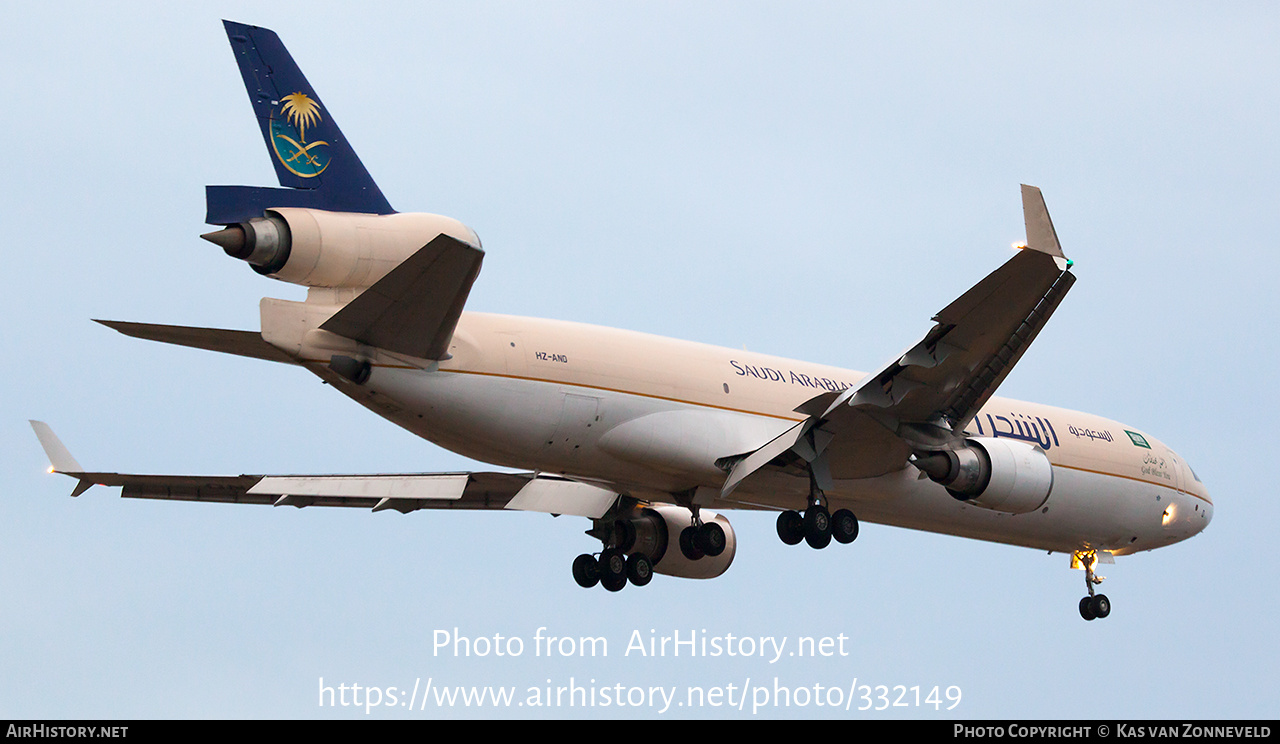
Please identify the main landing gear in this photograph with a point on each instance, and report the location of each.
(1094, 606)
(701, 539)
(612, 569)
(633, 540)
(816, 525)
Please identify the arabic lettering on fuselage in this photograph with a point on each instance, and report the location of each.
(787, 376)
(1153, 465)
(1016, 426)
(1081, 433)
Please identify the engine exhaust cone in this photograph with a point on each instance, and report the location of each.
(230, 239)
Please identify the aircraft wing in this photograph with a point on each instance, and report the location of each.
(403, 492)
(924, 397)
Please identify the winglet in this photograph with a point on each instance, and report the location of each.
(59, 457)
(1040, 233)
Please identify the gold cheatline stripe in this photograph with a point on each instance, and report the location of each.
(1135, 478)
(624, 392)
(581, 385)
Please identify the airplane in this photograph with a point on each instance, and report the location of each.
(651, 438)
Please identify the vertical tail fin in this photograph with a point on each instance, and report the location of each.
(313, 161)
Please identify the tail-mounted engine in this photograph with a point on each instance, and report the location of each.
(655, 530)
(333, 249)
(998, 474)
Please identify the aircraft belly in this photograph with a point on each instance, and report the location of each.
(491, 419)
(558, 428)
(687, 440)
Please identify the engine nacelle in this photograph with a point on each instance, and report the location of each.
(655, 532)
(999, 474)
(315, 248)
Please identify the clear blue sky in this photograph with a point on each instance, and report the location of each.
(811, 180)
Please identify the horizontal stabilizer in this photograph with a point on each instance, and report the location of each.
(414, 309)
(240, 343)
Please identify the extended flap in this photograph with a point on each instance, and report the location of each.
(558, 496)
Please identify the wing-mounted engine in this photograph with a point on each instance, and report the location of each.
(654, 531)
(998, 474)
(316, 248)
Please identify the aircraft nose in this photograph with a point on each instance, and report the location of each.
(1202, 508)
(1206, 512)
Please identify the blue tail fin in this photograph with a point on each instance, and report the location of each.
(313, 160)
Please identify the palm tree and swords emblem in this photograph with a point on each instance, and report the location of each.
(289, 136)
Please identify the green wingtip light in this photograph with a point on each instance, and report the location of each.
(1070, 263)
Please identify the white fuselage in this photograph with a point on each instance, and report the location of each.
(650, 416)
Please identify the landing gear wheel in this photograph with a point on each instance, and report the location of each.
(710, 539)
(844, 526)
(791, 527)
(689, 543)
(639, 570)
(613, 583)
(1100, 605)
(1086, 608)
(613, 569)
(817, 526)
(586, 571)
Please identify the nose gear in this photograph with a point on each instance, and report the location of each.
(1094, 606)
